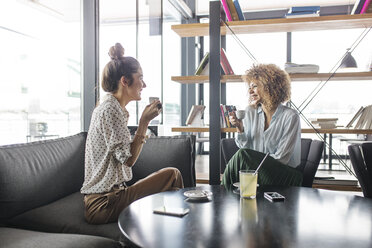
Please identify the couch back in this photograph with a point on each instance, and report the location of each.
(167, 151)
(37, 173)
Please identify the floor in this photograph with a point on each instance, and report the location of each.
(338, 172)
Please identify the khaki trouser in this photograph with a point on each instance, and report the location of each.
(105, 208)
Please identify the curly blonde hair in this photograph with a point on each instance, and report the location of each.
(275, 82)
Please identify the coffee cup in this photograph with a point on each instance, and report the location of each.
(240, 114)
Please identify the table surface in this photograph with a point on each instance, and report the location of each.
(307, 218)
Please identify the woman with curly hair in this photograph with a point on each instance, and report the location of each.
(110, 152)
(268, 127)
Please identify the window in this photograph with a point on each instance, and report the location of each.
(40, 70)
(158, 52)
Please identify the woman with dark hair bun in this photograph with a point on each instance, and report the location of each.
(268, 127)
(110, 151)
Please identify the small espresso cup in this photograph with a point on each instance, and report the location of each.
(240, 114)
(248, 183)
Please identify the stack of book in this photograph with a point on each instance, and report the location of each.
(301, 68)
(303, 11)
(203, 67)
(225, 110)
(324, 123)
(233, 10)
(361, 7)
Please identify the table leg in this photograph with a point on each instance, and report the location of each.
(325, 149)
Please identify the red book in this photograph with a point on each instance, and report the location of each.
(226, 9)
(223, 64)
(226, 63)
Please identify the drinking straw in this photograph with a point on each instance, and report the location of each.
(263, 160)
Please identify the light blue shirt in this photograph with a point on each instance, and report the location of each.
(282, 139)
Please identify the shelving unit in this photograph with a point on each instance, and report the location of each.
(279, 25)
(294, 77)
(215, 29)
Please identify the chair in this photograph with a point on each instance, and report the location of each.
(228, 149)
(311, 153)
(361, 159)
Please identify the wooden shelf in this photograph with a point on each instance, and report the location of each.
(279, 25)
(338, 130)
(304, 130)
(342, 76)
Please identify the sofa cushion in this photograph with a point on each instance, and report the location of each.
(167, 151)
(64, 216)
(18, 238)
(38, 173)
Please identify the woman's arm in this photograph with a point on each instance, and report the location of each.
(137, 143)
(241, 137)
(149, 113)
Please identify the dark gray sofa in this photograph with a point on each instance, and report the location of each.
(40, 202)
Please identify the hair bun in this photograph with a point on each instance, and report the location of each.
(116, 52)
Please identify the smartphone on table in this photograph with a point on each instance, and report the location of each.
(172, 211)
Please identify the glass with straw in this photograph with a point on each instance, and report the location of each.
(248, 181)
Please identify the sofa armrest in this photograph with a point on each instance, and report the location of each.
(167, 151)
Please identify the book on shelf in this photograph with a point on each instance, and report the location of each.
(365, 119)
(365, 6)
(239, 10)
(303, 11)
(195, 117)
(324, 123)
(202, 64)
(226, 9)
(234, 13)
(300, 68)
(369, 9)
(323, 120)
(224, 117)
(301, 15)
(225, 64)
(358, 5)
(355, 117)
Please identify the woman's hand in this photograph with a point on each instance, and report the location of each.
(236, 122)
(151, 111)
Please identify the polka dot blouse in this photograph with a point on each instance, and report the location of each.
(107, 148)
